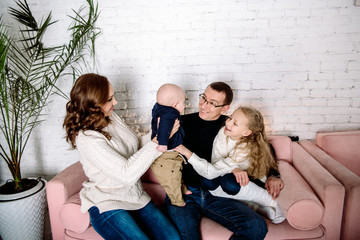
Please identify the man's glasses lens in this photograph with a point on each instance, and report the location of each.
(203, 100)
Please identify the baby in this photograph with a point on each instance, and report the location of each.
(170, 103)
(167, 168)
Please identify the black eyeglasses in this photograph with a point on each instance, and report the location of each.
(202, 99)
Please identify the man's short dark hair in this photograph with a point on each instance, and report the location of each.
(225, 88)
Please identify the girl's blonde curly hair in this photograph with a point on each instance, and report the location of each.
(83, 111)
(257, 146)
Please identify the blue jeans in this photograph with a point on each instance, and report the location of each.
(232, 214)
(146, 223)
(227, 182)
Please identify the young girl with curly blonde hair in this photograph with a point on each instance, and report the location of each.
(240, 152)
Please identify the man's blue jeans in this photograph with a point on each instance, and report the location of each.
(146, 223)
(232, 214)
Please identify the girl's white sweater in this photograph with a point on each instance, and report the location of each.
(114, 167)
(222, 161)
(223, 158)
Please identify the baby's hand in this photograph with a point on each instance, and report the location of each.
(161, 148)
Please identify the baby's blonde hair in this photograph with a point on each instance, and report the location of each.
(257, 146)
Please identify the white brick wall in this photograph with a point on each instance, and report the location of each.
(297, 61)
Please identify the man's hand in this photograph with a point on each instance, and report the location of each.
(241, 176)
(175, 127)
(274, 185)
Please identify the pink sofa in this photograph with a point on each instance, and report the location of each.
(312, 200)
(339, 153)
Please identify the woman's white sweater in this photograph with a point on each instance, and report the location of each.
(114, 167)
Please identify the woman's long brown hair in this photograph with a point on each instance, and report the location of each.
(83, 111)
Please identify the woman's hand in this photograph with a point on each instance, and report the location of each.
(241, 176)
(155, 140)
(184, 151)
(274, 185)
(175, 127)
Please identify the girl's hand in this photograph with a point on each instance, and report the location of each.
(184, 151)
(241, 176)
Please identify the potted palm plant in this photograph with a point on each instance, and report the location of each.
(29, 72)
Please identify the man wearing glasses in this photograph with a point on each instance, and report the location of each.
(200, 131)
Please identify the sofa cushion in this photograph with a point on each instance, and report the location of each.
(71, 216)
(343, 146)
(302, 208)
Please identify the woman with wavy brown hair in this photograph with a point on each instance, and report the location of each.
(119, 208)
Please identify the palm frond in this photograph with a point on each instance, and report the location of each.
(30, 71)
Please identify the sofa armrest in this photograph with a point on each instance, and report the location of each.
(58, 190)
(349, 180)
(343, 146)
(339, 171)
(330, 191)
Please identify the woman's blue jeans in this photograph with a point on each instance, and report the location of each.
(232, 214)
(146, 223)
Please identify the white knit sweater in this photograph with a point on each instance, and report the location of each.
(114, 167)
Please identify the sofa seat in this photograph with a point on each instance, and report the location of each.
(312, 200)
(209, 229)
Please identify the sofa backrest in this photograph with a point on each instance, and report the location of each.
(343, 146)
